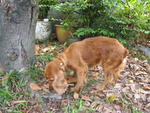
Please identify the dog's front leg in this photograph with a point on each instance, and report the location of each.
(81, 80)
(80, 83)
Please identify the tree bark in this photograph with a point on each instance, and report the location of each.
(17, 33)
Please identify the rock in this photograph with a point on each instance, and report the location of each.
(144, 49)
(52, 96)
(43, 30)
(56, 96)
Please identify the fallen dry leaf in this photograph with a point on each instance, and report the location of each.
(48, 44)
(111, 98)
(71, 79)
(95, 74)
(101, 95)
(36, 49)
(20, 101)
(146, 87)
(87, 103)
(86, 98)
(35, 87)
(99, 108)
(48, 49)
(93, 91)
(46, 86)
(4, 78)
(75, 95)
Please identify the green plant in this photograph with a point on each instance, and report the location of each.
(44, 6)
(78, 107)
(133, 14)
(66, 12)
(34, 71)
(14, 86)
(84, 32)
(124, 20)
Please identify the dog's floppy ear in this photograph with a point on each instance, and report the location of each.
(46, 72)
(60, 84)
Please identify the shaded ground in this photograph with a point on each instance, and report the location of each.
(131, 94)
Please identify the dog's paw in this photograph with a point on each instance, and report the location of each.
(75, 95)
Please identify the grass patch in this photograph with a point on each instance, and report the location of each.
(140, 55)
(124, 101)
(91, 80)
(34, 72)
(74, 108)
(36, 67)
(78, 106)
(13, 88)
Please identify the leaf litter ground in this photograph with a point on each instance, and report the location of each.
(131, 94)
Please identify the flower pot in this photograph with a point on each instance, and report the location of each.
(43, 30)
(62, 34)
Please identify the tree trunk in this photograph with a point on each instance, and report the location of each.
(17, 32)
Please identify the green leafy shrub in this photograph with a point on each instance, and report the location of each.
(126, 20)
(13, 88)
(133, 14)
(44, 6)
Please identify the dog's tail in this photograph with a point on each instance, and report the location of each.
(126, 53)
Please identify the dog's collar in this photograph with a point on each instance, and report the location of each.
(61, 64)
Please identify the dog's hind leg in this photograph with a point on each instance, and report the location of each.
(108, 76)
(117, 71)
(107, 79)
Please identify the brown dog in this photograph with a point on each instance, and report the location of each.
(82, 55)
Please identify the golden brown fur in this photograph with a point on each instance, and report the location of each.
(82, 55)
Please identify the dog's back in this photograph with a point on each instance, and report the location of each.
(98, 50)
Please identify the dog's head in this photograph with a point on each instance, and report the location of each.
(54, 71)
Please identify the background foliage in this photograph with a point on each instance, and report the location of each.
(122, 19)
(44, 6)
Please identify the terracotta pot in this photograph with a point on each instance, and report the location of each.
(62, 34)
